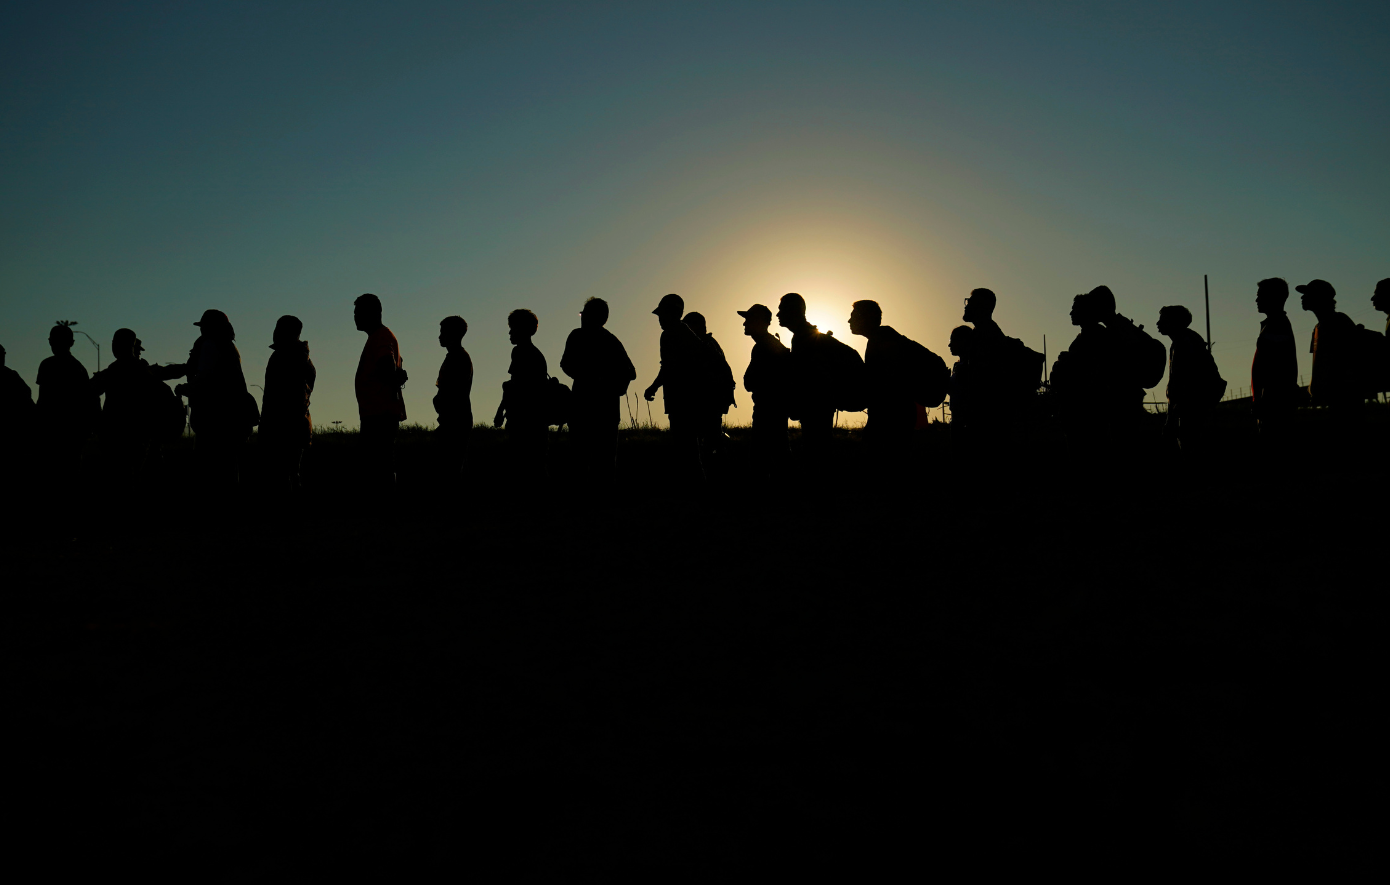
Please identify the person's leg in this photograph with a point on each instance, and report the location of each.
(685, 449)
(378, 443)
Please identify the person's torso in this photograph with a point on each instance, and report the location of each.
(64, 384)
(378, 395)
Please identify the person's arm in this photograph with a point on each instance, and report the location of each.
(650, 392)
(569, 359)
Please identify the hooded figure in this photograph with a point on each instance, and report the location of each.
(223, 411)
(286, 427)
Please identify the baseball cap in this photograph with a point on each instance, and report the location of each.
(670, 304)
(1317, 288)
(214, 317)
(757, 311)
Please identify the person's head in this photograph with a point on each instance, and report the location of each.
(1318, 296)
(756, 320)
(216, 324)
(452, 330)
(1101, 302)
(1271, 294)
(60, 339)
(521, 325)
(961, 339)
(287, 331)
(1381, 299)
(123, 345)
(979, 306)
(864, 317)
(1173, 319)
(594, 313)
(366, 312)
(669, 310)
(696, 321)
(791, 311)
(1081, 314)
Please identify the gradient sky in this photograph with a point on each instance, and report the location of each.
(157, 159)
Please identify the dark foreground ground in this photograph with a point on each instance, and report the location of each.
(970, 666)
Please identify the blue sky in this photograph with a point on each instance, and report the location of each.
(160, 159)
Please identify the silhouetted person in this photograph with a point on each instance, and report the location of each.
(813, 403)
(453, 404)
(129, 416)
(222, 410)
(681, 379)
(378, 383)
(68, 408)
(718, 386)
(962, 383)
(523, 406)
(16, 415)
(1194, 384)
(1336, 381)
(1381, 302)
(888, 364)
(1005, 372)
(1274, 389)
(286, 426)
(1091, 379)
(769, 380)
(602, 371)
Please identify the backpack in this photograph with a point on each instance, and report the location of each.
(1023, 368)
(557, 402)
(1372, 360)
(930, 379)
(846, 378)
(1145, 356)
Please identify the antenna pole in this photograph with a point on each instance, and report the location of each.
(1044, 359)
(1206, 300)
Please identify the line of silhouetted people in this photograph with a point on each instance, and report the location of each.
(1096, 387)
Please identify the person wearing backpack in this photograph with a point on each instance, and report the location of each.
(718, 386)
(1006, 371)
(827, 376)
(1092, 379)
(602, 371)
(1336, 381)
(523, 407)
(768, 381)
(681, 380)
(1274, 389)
(888, 369)
(1194, 384)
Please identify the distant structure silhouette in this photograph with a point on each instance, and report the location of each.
(890, 365)
(1337, 382)
(1194, 384)
(768, 379)
(681, 380)
(717, 384)
(962, 347)
(828, 376)
(1381, 302)
(286, 426)
(67, 408)
(222, 410)
(1274, 391)
(453, 404)
(602, 371)
(523, 406)
(1006, 372)
(378, 382)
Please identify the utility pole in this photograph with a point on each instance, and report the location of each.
(1206, 299)
(1044, 359)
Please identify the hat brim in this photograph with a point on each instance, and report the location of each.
(1303, 289)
